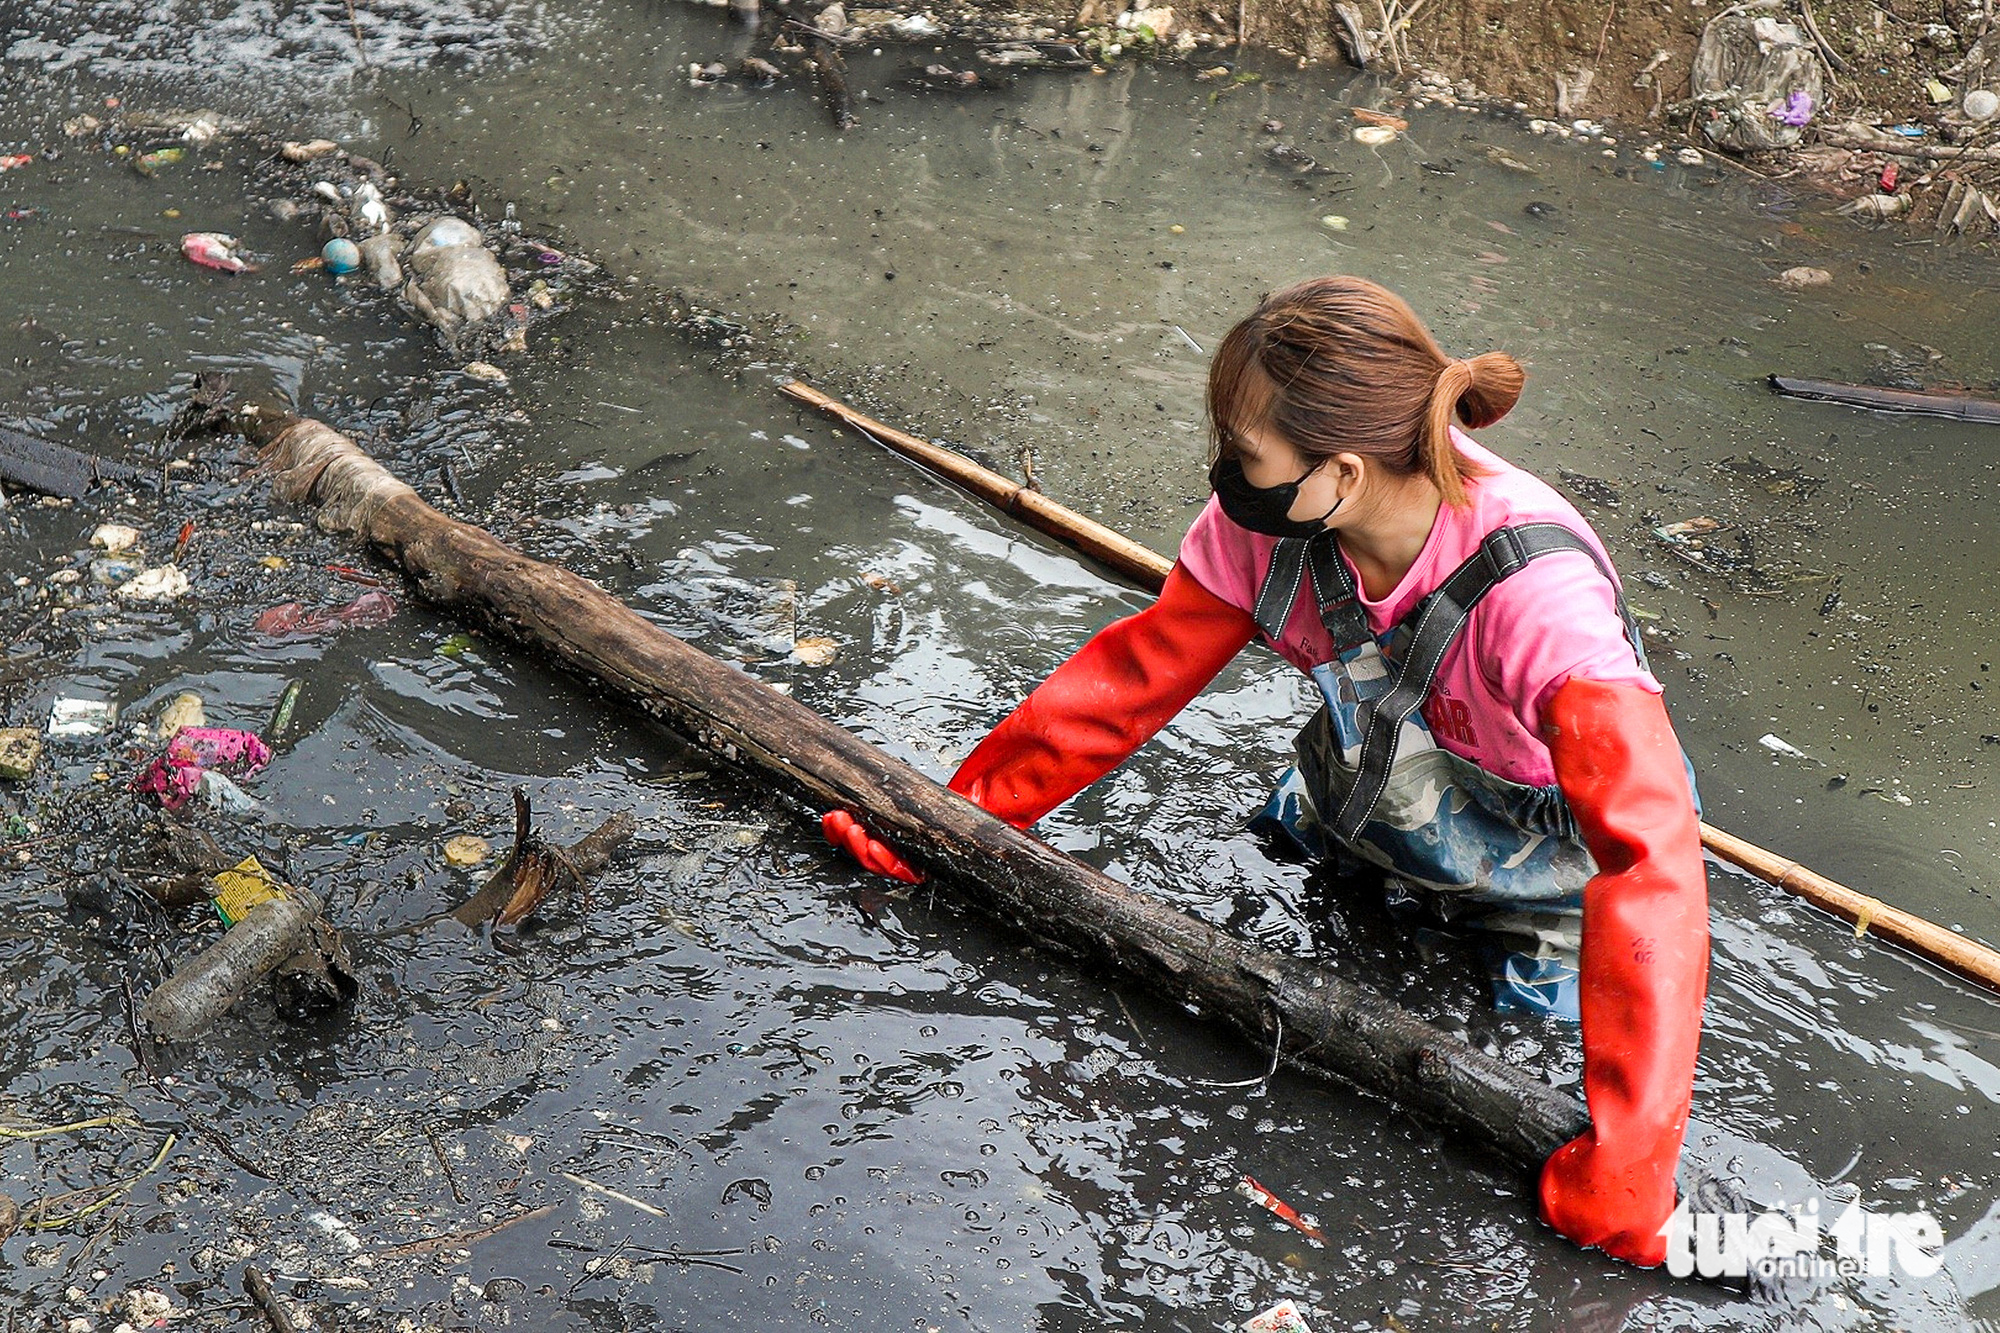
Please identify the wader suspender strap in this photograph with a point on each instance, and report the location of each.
(1438, 618)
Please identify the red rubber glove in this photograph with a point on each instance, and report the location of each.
(1644, 968)
(846, 833)
(1106, 701)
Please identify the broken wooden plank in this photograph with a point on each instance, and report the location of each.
(1954, 407)
(56, 469)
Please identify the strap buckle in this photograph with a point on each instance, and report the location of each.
(1504, 552)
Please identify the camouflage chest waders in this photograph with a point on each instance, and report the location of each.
(1459, 843)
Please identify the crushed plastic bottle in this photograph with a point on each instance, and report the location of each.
(213, 249)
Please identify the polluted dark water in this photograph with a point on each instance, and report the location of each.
(740, 1082)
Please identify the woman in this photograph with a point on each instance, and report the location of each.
(1490, 734)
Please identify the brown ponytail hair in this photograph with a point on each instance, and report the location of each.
(1342, 365)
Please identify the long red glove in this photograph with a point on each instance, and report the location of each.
(1644, 968)
(1106, 701)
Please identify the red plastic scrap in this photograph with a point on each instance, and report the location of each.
(292, 620)
(1257, 1194)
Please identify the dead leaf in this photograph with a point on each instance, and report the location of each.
(815, 651)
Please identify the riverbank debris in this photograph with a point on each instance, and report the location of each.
(193, 756)
(1876, 209)
(1248, 1188)
(536, 869)
(291, 620)
(217, 250)
(1284, 1317)
(56, 469)
(20, 751)
(115, 538)
(307, 150)
(340, 256)
(271, 922)
(280, 724)
(161, 583)
(1756, 82)
(81, 717)
(1777, 744)
(454, 279)
(1915, 402)
(184, 710)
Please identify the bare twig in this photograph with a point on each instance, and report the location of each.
(1927, 152)
(437, 1150)
(1604, 35)
(354, 22)
(610, 1193)
(1826, 51)
(1389, 34)
(471, 1237)
(43, 1131)
(259, 1288)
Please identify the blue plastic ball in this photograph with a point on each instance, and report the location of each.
(340, 255)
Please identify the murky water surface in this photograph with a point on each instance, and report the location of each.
(747, 1084)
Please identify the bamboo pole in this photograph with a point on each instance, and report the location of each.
(1870, 916)
(1148, 568)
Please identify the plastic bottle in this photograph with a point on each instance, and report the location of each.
(202, 989)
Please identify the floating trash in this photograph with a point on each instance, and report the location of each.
(81, 717)
(162, 583)
(115, 537)
(340, 255)
(214, 249)
(465, 851)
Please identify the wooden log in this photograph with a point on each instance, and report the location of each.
(1319, 1021)
(1915, 402)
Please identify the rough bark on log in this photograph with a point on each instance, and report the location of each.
(1320, 1022)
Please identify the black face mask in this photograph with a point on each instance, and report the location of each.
(1263, 509)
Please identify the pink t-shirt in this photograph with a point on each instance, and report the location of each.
(1553, 619)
